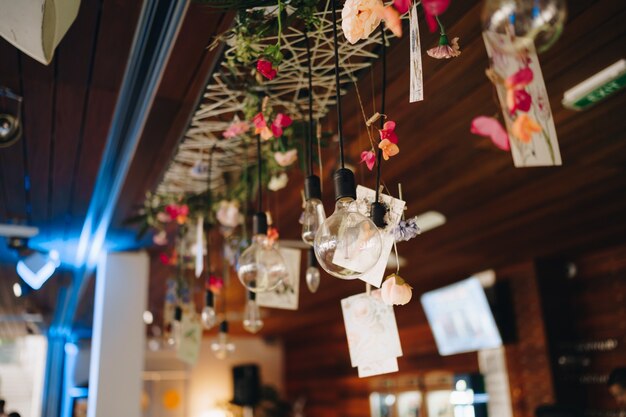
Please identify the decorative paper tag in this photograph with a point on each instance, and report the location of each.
(371, 330)
(286, 295)
(386, 366)
(190, 341)
(532, 134)
(396, 207)
(416, 91)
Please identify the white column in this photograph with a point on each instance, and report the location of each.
(118, 340)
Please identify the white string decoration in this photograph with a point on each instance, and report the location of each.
(287, 92)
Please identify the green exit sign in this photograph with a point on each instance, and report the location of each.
(597, 88)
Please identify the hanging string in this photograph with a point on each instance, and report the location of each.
(309, 137)
(379, 156)
(337, 86)
(259, 173)
(209, 203)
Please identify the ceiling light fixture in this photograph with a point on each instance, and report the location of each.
(261, 267)
(37, 268)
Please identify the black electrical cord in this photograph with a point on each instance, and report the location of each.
(259, 171)
(379, 156)
(337, 86)
(310, 132)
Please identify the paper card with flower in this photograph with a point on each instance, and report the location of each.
(371, 330)
(365, 196)
(525, 104)
(189, 347)
(287, 294)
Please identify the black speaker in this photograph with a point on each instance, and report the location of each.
(247, 385)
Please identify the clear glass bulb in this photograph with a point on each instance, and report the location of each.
(208, 317)
(313, 278)
(261, 267)
(252, 321)
(522, 22)
(312, 218)
(347, 244)
(222, 347)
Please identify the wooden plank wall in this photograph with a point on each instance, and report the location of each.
(318, 364)
(586, 322)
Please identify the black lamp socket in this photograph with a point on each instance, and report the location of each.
(345, 185)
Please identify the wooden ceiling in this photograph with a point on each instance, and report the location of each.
(497, 214)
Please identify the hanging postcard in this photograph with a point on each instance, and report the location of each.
(371, 330)
(191, 338)
(287, 294)
(396, 207)
(416, 90)
(524, 100)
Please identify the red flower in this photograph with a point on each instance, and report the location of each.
(177, 212)
(281, 121)
(518, 100)
(520, 79)
(388, 132)
(165, 260)
(434, 8)
(402, 6)
(215, 283)
(265, 68)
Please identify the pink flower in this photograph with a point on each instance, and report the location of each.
(280, 122)
(445, 49)
(402, 6)
(518, 100)
(284, 159)
(389, 132)
(395, 291)
(160, 238)
(235, 129)
(163, 217)
(520, 79)
(264, 67)
(359, 19)
(369, 158)
(434, 8)
(260, 126)
(493, 129)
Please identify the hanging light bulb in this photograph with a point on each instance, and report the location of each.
(252, 321)
(347, 244)
(312, 275)
(208, 316)
(176, 332)
(314, 214)
(261, 267)
(222, 347)
(523, 22)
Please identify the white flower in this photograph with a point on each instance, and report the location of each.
(360, 18)
(278, 182)
(228, 214)
(395, 291)
(284, 159)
